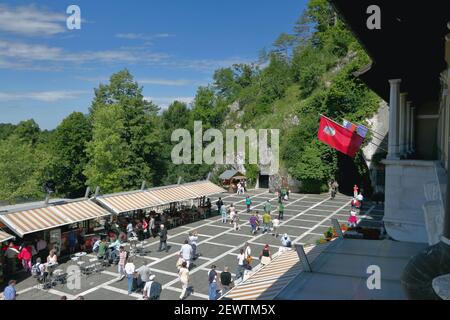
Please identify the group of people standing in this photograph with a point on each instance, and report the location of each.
(356, 206)
(27, 254)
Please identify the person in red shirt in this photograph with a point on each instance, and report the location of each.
(25, 255)
(355, 191)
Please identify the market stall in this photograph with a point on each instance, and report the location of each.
(172, 205)
(230, 179)
(4, 237)
(62, 225)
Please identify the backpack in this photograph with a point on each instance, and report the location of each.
(35, 270)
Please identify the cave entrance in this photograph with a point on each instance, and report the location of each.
(348, 175)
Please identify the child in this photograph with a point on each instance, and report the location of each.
(352, 220)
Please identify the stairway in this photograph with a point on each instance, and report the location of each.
(265, 283)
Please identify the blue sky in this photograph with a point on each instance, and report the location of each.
(171, 47)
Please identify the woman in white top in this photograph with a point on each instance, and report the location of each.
(183, 274)
(232, 213)
(52, 258)
(130, 269)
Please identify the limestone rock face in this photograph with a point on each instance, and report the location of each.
(379, 125)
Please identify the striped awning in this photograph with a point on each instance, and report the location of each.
(204, 188)
(173, 194)
(80, 211)
(152, 198)
(129, 202)
(5, 236)
(33, 220)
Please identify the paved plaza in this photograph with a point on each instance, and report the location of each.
(306, 217)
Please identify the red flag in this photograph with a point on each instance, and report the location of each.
(338, 137)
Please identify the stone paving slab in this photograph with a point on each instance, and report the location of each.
(223, 249)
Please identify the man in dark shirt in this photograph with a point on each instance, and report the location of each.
(212, 279)
(219, 204)
(225, 280)
(163, 239)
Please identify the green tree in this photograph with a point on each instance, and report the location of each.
(28, 131)
(69, 155)
(21, 170)
(133, 130)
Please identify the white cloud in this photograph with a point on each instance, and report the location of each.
(15, 52)
(163, 35)
(132, 36)
(42, 96)
(31, 21)
(166, 82)
(22, 55)
(164, 102)
(141, 36)
(207, 65)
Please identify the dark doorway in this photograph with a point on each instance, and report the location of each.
(264, 181)
(348, 175)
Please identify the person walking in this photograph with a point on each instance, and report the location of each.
(248, 253)
(183, 275)
(152, 289)
(335, 187)
(219, 205)
(130, 269)
(193, 238)
(10, 291)
(281, 210)
(186, 253)
(267, 207)
(232, 213)
(212, 280)
(163, 239)
(241, 263)
(266, 221)
(355, 191)
(258, 220)
(266, 256)
(248, 203)
(275, 225)
(223, 212)
(225, 280)
(253, 223)
(236, 222)
(238, 188)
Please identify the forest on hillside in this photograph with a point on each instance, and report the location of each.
(125, 139)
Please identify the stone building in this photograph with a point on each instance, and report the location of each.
(410, 71)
